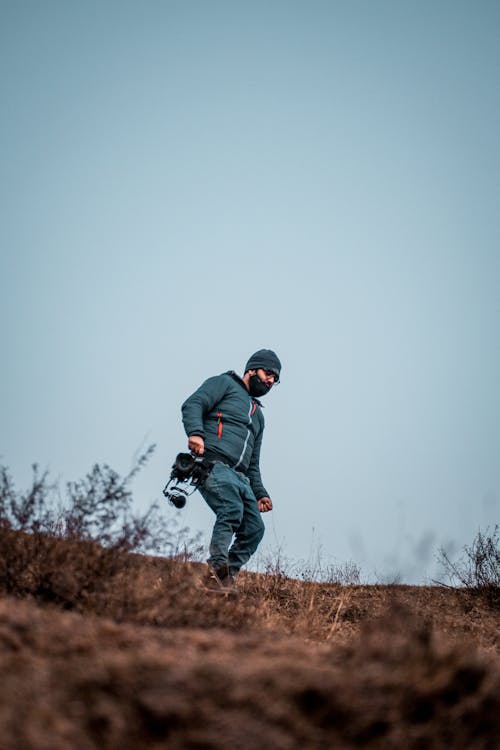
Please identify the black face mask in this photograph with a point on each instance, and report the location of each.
(257, 387)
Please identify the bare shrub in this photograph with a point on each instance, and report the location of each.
(479, 567)
(68, 552)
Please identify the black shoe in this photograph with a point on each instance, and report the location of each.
(219, 577)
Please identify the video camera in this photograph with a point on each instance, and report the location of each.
(188, 470)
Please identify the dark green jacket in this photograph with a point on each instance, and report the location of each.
(231, 423)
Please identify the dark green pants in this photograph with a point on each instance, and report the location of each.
(229, 495)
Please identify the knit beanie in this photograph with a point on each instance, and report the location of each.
(266, 359)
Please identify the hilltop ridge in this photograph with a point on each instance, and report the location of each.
(148, 660)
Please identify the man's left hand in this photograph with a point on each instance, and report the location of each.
(265, 504)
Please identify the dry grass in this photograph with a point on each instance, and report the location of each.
(104, 648)
(147, 659)
(86, 682)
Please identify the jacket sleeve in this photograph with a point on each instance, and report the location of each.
(200, 403)
(253, 472)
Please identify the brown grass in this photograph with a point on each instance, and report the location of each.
(130, 652)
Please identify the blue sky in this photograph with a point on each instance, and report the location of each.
(186, 182)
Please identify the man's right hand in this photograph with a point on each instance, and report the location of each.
(196, 444)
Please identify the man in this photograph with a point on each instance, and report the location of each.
(224, 422)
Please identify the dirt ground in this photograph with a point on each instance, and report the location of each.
(283, 665)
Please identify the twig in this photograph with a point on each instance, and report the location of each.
(334, 624)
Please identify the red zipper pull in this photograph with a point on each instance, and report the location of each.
(219, 426)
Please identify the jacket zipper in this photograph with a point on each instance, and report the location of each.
(219, 424)
(253, 406)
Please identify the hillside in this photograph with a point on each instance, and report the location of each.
(145, 659)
